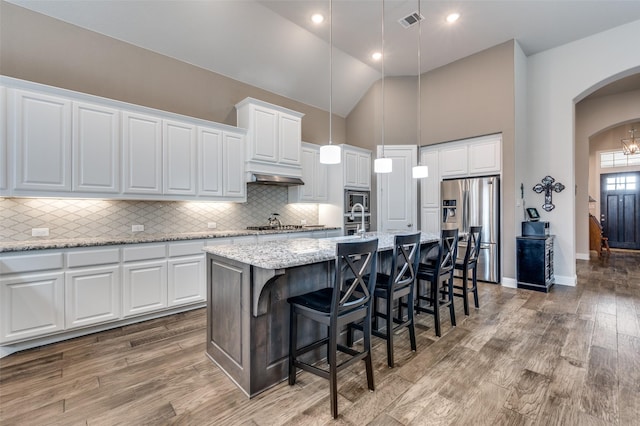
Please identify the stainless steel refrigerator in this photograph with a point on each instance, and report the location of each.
(473, 202)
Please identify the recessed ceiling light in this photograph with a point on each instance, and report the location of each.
(376, 56)
(317, 18)
(452, 17)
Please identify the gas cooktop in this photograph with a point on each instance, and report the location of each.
(273, 228)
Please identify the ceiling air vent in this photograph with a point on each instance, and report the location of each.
(409, 20)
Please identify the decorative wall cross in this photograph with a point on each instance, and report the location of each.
(548, 186)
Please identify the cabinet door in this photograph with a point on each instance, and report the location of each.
(40, 129)
(233, 179)
(32, 305)
(179, 145)
(210, 165)
(144, 286)
(92, 295)
(453, 161)
(306, 192)
(96, 148)
(187, 280)
(264, 142)
(142, 145)
(350, 168)
(430, 220)
(290, 135)
(321, 183)
(397, 191)
(364, 171)
(484, 157)
(430, 186)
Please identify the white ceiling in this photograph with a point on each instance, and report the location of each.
(273, 45)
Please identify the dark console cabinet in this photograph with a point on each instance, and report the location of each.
(535, 262)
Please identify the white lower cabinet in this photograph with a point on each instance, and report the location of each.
(186, 269)
(32, 305)
(144, 286)
(92, 296)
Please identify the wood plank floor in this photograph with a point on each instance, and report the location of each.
(571, 357)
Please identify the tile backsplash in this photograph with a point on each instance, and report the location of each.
(73, 218)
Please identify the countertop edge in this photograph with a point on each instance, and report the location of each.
(61, 243)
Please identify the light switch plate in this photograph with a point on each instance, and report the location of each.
(39, 232)
(212, 225)
(137, 228)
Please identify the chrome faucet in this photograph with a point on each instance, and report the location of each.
(362, 229)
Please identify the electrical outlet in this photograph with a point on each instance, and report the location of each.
(137, 228)
(303, 221)
(39, 232)
(212, 225)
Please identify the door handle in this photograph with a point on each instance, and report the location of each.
(409, 225)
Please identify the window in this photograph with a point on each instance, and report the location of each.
(621, 183)
(618, 159)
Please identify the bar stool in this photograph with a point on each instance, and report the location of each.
(470, 261)
(440, 272)
(394, 286)
(347, 301)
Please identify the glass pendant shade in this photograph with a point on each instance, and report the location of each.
(419, 172)
(383, 165)
(330, 154)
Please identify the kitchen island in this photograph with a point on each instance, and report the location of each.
(247, 310)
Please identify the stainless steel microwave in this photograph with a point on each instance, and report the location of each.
(353, 197)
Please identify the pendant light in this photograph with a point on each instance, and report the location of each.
(383, 165)
(419, 172)
(330, 154)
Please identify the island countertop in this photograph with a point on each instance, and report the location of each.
(300, 251)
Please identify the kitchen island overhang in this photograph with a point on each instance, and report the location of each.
(247, 311)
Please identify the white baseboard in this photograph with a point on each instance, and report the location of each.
(564, 280)
(583, 256)
(509, 282)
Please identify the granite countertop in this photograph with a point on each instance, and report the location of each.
(299, 251)
(58, 243)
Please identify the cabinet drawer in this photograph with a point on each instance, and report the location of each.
(144, 252)
(93, 257)
(186, 249)
(30, 263)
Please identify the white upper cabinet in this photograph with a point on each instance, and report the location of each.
(290, 134)
(96, 148)
(63, 143)
(314, 176)
(233, 166)
(453, 161)
(179, 145)
(221, 164)
(209, 162)
(357, 167)
(40, 133)
(485, 156)
(142, 153)
(476, 156)
(273, 137)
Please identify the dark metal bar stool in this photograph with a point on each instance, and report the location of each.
(440, 272)
(470, 261)
(394, 286)
(349, 300)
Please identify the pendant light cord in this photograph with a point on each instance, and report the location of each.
(419, 77)
(330, 71)
(382, 78)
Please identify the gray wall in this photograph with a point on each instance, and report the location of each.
(38, 48)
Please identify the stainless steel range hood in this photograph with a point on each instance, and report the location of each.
(264, 179)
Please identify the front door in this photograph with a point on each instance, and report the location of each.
(620, 209)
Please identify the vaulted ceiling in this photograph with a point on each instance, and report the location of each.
(272, 44)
